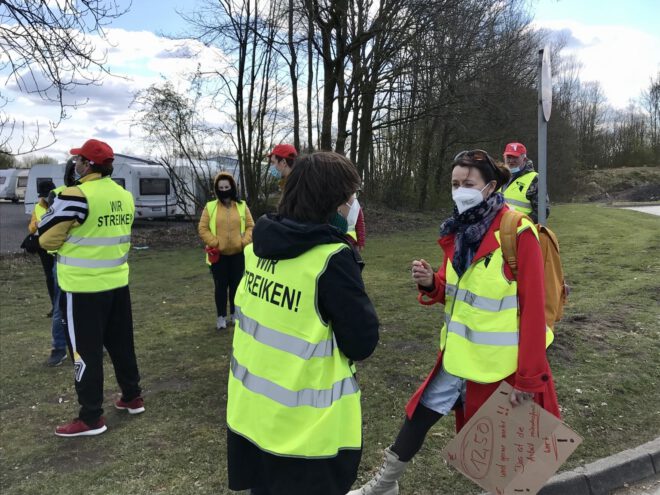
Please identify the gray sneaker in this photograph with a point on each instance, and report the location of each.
(57, 357)
(221, 323)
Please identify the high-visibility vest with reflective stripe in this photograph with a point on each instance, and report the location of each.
(353, 234)
(39, 211)
(212, 209)
(515, 193)
(291, 390)
(94, 256)
(480, 334)
(59, 189)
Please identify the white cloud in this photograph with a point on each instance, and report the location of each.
(138, 59)
(621, 58)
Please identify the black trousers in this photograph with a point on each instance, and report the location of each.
(47, 263)
(96, 320)
(227, 273)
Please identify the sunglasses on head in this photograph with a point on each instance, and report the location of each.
(477, 156)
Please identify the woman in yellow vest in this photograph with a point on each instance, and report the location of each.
(226, 228)
(47, 260)
(293, 403)
(494, 324)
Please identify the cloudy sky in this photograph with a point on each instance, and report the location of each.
(616, 41)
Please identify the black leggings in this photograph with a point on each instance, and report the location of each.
(227, 273)
(413, 432)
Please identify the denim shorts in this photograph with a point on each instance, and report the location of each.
(443, 391)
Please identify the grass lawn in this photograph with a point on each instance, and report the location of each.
(606, 362)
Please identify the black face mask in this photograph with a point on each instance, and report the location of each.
(225, 194)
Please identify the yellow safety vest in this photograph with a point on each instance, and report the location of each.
(480, 334)
(212, 208)
(39, 211)
(515, 193)
(291, 390)
(94, 256)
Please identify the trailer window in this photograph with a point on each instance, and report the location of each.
(120, 181)
(43, 179)
(3, 180)
(22, 182)
(153, 187)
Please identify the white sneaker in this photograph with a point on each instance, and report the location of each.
(221, 323)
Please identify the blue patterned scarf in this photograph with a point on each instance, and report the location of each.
(470, 228)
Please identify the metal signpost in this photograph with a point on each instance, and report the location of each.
(545, 106)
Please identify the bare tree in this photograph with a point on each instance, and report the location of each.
(46, 50)
(177, 134)
(250, 82)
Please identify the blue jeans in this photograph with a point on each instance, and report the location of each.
(59, 318)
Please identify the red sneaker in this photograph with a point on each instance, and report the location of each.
(78, 428)
(135, 406)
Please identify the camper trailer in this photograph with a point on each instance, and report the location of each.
(148, 182)
(41, 172)
(8, 179)
(194, 181)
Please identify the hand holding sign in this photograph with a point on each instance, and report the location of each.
(511, 450)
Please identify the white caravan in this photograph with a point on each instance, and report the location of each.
(8, 179)
(148, 182)
(41, 172)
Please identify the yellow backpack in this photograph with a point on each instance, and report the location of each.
(556, 289)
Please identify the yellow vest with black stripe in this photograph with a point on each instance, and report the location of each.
(480, 334)
(212, 208)
(94, 256)
(291, 390)
(515, 193)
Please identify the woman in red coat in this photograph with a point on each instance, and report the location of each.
(476, 294)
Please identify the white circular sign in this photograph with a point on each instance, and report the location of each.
(546, 84)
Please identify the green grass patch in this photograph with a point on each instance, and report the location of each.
(606, 361)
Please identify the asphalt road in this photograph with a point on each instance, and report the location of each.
(13, 226)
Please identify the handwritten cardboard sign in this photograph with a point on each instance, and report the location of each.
(511, 450)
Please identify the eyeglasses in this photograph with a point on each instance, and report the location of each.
(476, 155)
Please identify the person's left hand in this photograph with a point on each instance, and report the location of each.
(517, 397)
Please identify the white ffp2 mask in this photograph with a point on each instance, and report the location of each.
(466, 197)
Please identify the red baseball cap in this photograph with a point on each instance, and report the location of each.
(284, 150)
(515, 149)
(95, 151)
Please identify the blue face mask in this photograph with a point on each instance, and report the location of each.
(275, 173)
(515, 170)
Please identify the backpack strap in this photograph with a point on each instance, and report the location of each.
(509, 238)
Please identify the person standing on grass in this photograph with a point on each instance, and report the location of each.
(89, 225)
(521, 192)
(43, 190)
(226, 228)
(494, 324)
(355, 222)
(293, 402)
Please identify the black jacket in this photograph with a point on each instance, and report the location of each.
(344, 303)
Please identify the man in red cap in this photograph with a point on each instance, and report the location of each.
(281, 159)
(89, 225)
(521, 192)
